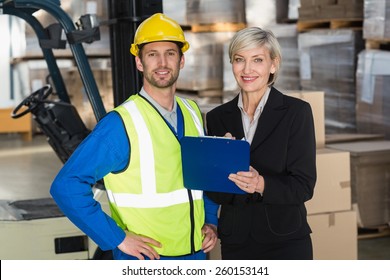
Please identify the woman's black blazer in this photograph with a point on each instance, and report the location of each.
(283, 151)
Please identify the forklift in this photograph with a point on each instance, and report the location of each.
(36, 228)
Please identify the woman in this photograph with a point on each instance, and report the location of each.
(269, 221)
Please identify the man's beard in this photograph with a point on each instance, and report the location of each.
(161, 83)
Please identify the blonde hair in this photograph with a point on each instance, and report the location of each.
(254, 37)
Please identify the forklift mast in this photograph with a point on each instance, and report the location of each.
(48, 40)
(126, 16)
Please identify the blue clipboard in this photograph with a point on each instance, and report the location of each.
(208, 161)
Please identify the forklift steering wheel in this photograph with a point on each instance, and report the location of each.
(32, 101)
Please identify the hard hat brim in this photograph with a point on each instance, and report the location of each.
(134, 49)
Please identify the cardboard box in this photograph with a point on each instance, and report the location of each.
(331, 9)
(376, 23)
(334, 235)
(21, 125)
(316, 101)
(204, 61)
(211, 11)
(78, 96)
(333, 188)
(370, 183)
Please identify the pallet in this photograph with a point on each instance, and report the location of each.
(215, 27)
(374, 232)
(202, 92)
(202, 97)
(378, 44)
(312, 24)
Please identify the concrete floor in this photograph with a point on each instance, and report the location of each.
(28, 168)
(374, 248)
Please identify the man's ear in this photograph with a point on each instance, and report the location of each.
(138, 63)
(182, 61)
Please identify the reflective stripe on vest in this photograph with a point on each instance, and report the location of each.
(149, 197)
(154, 200)
(194, 116)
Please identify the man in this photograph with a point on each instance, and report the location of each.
(136, 150)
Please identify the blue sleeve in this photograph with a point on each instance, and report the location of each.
(105, 149)
(211, 211)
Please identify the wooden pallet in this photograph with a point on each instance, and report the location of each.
(202, 93)
(378, 44)
(374, 232)
(306, 25)
(216, 27)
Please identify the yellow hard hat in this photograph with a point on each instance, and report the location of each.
(156, 28)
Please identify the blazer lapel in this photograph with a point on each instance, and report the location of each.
(273, 112)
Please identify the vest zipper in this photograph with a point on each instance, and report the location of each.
(192, 219)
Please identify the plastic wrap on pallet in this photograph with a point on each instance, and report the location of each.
(203, 61)
(214, 11)
(260, 13)
(373, 97)
(177, 10)
(328, 63)
(376, 24)
(287, 35)
(293, 6)
(229, 82)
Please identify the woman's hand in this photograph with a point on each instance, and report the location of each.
(248, 181)
(229, 135)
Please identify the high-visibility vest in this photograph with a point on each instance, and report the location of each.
(148, 197)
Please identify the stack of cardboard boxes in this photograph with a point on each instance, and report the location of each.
(330, 213)
(101, 70)
(370, 184)
(330, 9)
